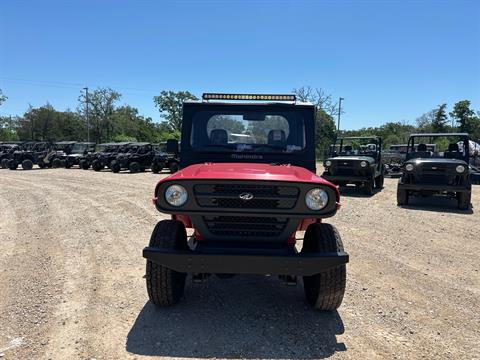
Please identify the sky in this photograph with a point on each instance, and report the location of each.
(390, 60)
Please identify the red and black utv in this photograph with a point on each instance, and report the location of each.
(246, 190)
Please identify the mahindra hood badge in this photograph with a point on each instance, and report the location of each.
(246, 196)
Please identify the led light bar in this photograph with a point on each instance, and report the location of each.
(217, 96)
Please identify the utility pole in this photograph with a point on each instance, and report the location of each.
(339, 113)
(86, 113)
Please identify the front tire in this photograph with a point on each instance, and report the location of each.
(379, 182)
(156, 167)
(165, 286)
(402, 197)
(115, 166)
(324, 291)
(368, 187)
(464, 199)
(97, 166)
(12, 164)
(134, 167)
(56, 163)
(27, 164)
(173, 167)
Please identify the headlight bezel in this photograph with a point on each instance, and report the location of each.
(328, 163)
(463, 169)
(320, 193)
(182, 194)
(364, 164)
(409, 167)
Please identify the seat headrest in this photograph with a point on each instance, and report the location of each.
(453, 147)
(219, 137)
(421, 147)
(276, 137)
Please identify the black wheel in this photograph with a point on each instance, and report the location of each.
(165, 286)
(155, 168)
(4, 163)
(40, 164)
(402, 197)
(368, 187)
(135, 167)
(68, 164)
(12, 164)
(464, 199)
(324, 291)
(56, 163)
(27, 164)
(115, 166)
(173, 167)
(97, 166)
(84, 165)
(379, 182)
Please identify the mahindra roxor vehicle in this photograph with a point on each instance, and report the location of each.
(356, 160)
(137, 157)
(105, 158)
(427, 173)
(29, 155)
(245, 193)
(79, 150)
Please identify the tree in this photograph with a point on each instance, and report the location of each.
(440, 119)
(3, 97)
(425, 121)
(326, 109)
(101, 104)
(170, 105)
(464, 116)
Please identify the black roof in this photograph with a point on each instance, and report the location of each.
(438, 134)
(65, 142)
(358, 137)
(139, 143)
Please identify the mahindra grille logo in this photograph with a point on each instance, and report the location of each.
(246, 196)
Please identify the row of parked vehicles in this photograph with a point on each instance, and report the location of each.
(116, 156)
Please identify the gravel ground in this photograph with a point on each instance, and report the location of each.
(71, 282)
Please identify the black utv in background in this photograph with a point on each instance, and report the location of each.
(56, 157)
(356, 160)
(138, 157)
(427, 173)
(29, 155)
(79, 150)
(85, 161)
(6, 153)
(105, 158)
(167, 156)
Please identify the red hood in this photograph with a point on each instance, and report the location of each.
(247, 171)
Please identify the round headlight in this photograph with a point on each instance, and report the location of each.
(316, 199)
(409, 167)
(460, 168)
(176, 195)
(363, 164)
(328, 163)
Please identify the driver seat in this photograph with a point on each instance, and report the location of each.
(219, 137)
(453, 151)
(276, 137)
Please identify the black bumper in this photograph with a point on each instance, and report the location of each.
(433, 187)
(198, 262)
(346, 178)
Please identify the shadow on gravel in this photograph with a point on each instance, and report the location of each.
(242, 317)
(436, 204)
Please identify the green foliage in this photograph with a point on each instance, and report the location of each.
(3, 97)
(440, 119)
(7, 128)
(170, 105)
(465, 117)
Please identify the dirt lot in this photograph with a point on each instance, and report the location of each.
(71, 282)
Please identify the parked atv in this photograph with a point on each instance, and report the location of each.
(79, 150)
(56, 157)
(29, 155)
(165, 157)
(6, 153)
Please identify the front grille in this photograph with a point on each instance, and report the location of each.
(245, 226)
(263, 196)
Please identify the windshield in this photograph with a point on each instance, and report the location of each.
(438, 147)
(356, 147)
(248, 131)
(79, 148)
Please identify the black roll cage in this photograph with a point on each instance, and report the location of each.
(464, 138)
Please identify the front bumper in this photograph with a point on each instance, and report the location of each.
(227, 263)
(346, 178)
(433, 187)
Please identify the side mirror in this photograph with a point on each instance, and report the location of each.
(172, 146)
